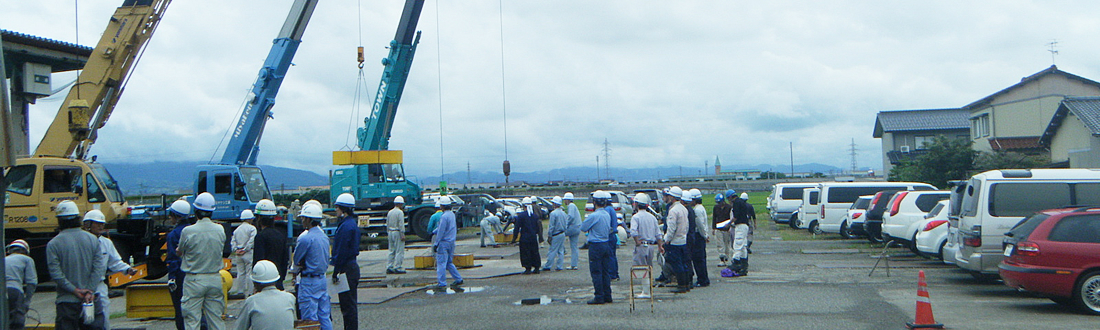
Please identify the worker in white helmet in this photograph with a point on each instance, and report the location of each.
(242, 245)
(311, 255)
(443, 244)
(599, 226)
(555, 257)
(77, 265)
(200, 249)
(271, 241)
(675, 242)
(647, 234)
(94, 223)
(179, 215)
(572, 229)
(345, 251)
(701, 237)
(490, 226)
(751, 212)
(22, 280)
(395, 235)
(529, 233)
(269, 308)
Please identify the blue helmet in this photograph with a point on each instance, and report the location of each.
(731, 193)
(718, 198)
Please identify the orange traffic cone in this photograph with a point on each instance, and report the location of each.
(924, 318)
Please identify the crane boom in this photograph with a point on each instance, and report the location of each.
(244, 144)
(375, 135)
(92, 99)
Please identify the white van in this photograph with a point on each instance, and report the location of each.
(837, 198)
(785, 200)
(996, 200)
(807, 212)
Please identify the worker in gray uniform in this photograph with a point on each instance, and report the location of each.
(572, 229)
(21, 279)
(395, 235)
(242, 245)
(270, 308)
(647, 236)
(490, 226)
(76, 265)
(94, 222)
(555, 257)
(200, 249)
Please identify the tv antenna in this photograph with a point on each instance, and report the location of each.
(1052, 44)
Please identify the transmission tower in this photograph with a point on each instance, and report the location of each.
(852, 152)
(606, 159)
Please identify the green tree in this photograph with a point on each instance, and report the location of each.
(1004, 160)
(944, 160)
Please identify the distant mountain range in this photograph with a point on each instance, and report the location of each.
(178, 177)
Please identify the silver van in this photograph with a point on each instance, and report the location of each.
(994, 201)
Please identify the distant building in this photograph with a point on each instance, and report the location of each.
(905, 133)
(733, 174)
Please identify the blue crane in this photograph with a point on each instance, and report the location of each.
(236, 178)
(377, 173)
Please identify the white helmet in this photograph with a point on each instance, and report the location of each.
(435, 200)
(601, 194)
(204, 202)
(556, 200)
(265, 207)
(675, 192)
(695, 193)
(95, 216)
(311, 211)
(526, 200)
(265, 272)
(181, 208)
(641, 198)
(745, 196)
(346, 200)
(247, 215)
(568, 196)
(399, 200)
(445, 200)
(312, 201)
(686, 196)
(67, 209)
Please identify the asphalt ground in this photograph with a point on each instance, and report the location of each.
(796, 281)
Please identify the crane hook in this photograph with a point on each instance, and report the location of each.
(361, 58)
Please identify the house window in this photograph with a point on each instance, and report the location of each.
(921, 140)
(979, 126)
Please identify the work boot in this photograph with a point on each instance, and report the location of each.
(681, 289)
(744, 267)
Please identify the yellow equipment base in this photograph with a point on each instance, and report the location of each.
(460, 260)
(148, 301)
(364, 157)
(503, 238)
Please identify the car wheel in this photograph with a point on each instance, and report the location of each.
(844, 230)
(939, 252)
(793, 222)
(815, 228)
(419, 223)
(913, 246)
(1087, 294)
(874, 236)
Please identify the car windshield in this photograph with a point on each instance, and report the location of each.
(935, 211)
(110, 186)
(255, 184)
(1024, 228)
(861, 203)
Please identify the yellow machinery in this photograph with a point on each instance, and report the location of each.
(59, 169)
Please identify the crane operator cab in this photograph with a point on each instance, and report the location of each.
(234, 188)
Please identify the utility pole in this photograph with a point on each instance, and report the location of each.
(468, 182)
(7, 159)
(597, 168)
(792, 158)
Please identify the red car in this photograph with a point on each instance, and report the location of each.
(1056, 253)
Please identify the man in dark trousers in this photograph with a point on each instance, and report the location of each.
(179, 214)
(271, 242)
(529, 232)
(345, 251)
(719, 214)
(598, 227)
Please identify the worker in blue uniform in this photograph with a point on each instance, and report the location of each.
(311, 256)
(345, 250)
(179, 214)
(443, 243)
(613, 241)
(598, 226)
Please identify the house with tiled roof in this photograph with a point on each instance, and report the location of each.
(1014, 118)
(904, 133)
(1073, 134)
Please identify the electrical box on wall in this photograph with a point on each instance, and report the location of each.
(36, 79)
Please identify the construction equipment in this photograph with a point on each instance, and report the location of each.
(235, 181)
(60, 168)
(377, 174)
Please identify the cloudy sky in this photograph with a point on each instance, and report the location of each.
(666, 83)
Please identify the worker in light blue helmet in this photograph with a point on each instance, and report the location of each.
(720, 227)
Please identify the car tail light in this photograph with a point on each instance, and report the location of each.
(857, 215)
(972, 239)
(874, 201)
(933, 224)
(821, 214)
(1027, 249)
(894, 208)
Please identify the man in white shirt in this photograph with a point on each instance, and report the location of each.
(243, 242)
